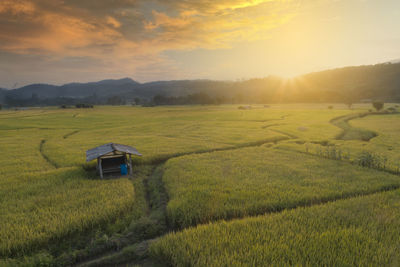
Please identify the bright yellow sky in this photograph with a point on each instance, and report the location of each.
(55, 41)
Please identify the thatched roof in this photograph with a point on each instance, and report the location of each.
(99, 151)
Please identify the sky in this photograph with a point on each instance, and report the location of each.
(62, 41)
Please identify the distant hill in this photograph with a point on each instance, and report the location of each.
(3, 93)
(380, 81)
(75, 90)
(395, 61)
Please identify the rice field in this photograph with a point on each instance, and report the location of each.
(47, 196)
(251, 181)
(162, 132)
(213, 163)
(361, 231)
(387, 143)
(51, 205)
(385, 146)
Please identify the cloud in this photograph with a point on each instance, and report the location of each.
(16, 7)
(124, 32)
(215, 24)
(113, 22)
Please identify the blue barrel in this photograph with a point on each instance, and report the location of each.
(124, 169)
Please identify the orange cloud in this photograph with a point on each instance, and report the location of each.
(48, 31)
(216, 24)
(113, 22)
(16, 7)
(199, 24)
(131, 34)
(163, 20)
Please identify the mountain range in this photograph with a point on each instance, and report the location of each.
(381, 81)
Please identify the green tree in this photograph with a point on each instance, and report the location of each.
(378, 105)
(349, 103)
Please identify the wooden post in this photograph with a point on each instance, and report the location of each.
(100, 169)
(130, 166)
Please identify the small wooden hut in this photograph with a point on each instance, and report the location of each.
(112, 158)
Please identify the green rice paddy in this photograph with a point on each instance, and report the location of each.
(259, 186)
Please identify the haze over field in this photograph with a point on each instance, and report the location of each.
(56, 42)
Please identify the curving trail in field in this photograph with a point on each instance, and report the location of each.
(71, 133)
(351, 133)
(272, 125)
(291, 136)
(48, 160)
(274, 140)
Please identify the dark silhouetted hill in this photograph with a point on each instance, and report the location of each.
(3, 93)
(381, 81)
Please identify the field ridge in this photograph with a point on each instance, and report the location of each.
(274, 139)
(351, 133)
(41, 150)
(71, 133)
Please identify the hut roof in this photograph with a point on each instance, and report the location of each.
(99, 151)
